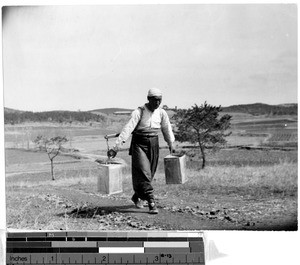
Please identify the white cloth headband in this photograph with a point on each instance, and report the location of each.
(154, 92)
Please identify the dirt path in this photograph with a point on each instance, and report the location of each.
(118, 212)
(76, 209)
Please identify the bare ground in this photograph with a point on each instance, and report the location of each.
(67, 208)
(72, 203)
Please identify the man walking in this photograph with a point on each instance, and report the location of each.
(144, 125)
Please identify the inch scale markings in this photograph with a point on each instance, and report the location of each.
(71, 258)
(105, 248)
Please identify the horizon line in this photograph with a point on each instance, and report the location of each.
(105, 108)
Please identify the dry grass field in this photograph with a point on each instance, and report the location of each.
(250, 185)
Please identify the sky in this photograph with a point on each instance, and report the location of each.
(85, 57)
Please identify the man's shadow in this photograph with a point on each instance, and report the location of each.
(92, 212)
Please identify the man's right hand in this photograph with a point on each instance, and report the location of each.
(111, 153)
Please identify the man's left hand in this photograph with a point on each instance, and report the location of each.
(171, 149)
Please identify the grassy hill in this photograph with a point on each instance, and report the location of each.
(9, 110)
(15, 117)
(263, 109)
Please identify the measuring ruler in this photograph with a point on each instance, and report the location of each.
(105, 247)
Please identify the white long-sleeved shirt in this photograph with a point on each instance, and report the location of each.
(147, 121)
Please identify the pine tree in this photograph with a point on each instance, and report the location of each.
(201, 126)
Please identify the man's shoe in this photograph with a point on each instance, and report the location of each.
(138, 202)
(152, 208)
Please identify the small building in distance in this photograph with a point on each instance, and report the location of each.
(123, 112)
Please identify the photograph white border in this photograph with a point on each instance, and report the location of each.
(265, 247)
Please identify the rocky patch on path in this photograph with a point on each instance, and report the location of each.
(111, 218)
(224, 214)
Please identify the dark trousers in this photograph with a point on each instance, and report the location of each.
(145, 153)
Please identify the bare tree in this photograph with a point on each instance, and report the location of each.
(52, 146)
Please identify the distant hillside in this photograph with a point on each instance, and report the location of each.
(264, 109)
(14, 117)
(8, 110)
(109, 111)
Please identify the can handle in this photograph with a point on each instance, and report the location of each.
(114, 135)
